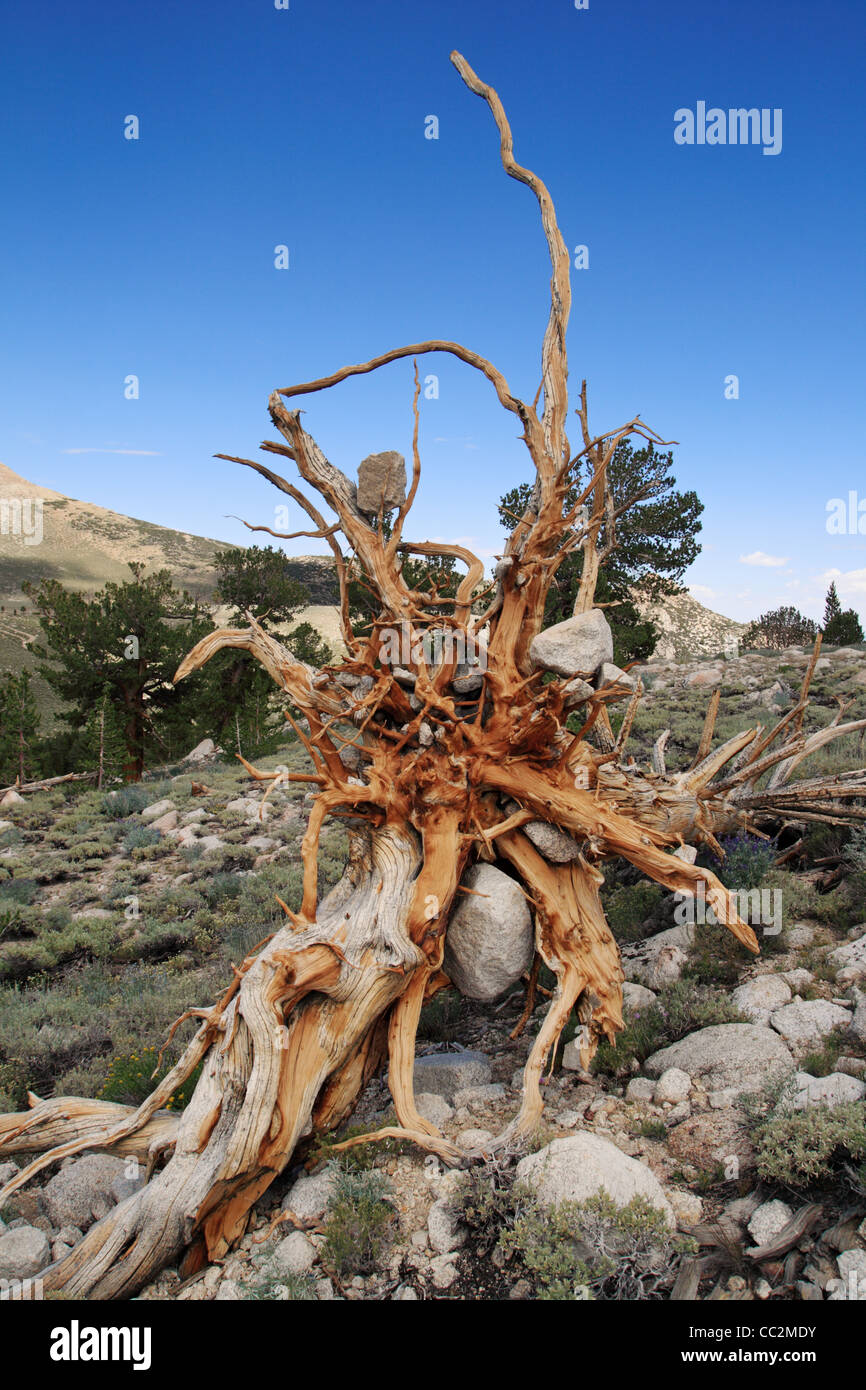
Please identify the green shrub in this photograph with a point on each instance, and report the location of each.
(140, 837)
(358, 1222)
(678, 1010)
(130, 1080)
(127, 801)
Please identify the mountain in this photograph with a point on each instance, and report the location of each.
(688, 629)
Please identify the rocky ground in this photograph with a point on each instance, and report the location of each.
(729, 1125)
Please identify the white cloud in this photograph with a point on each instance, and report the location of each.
(148, 453)
(758, 557)
(849, 583)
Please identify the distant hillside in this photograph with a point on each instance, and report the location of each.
(85, 546)
(688, 629)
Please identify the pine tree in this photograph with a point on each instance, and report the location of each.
(832, 606)
(103, 740)
(19, 727)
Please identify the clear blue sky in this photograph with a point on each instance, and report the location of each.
(305, 126)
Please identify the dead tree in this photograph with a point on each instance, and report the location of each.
(432, 769)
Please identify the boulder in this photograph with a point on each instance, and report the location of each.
(165, 823)
(81, 1193)
(640, 1088)
(636, 998)
(23, 1252)
(202, 751)
(850, 962)
(799, 934)
(309, 1196)
(727, 1056)
(760, 997)
(446, 1073)
(489, 942)
(158, 809)
(659, 960)
(576, 692)
(576, 647)
(381, 482)
(11, 798)
(609, 675)
(807, 1022)
(836, 1089)
(582, 1165)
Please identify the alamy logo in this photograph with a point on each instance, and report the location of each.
(737, 126)
(77, 1343)
(846, 518)
(21, 1290)
(22, 516)
(759, 906)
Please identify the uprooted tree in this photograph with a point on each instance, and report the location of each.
(449, 752)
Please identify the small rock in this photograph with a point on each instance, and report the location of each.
(489, 942)
(798, 979)
(309, 1196)
(158, 809)
(768, 1220)
(836, 1089)
(637, 998)
(687, 1207)
(576, 647)
(23, 1252)
(229, 1291)
(295, 1254)
(800, 934)
(474, 1138)
(434, 1108)
(81, 1192)
(673, 1085)
(381, 482)
(165, 823)
(444, 1231)
(405, 1294)
(640, 1088)
(202, 751)
(443, 1270)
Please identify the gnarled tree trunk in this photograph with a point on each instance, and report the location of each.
(429, 786)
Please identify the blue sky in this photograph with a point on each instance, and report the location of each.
(305, 127)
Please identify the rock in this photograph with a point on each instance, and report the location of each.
(309, 1196)
(807, 1022)
(576, 647)
(713, 1138)
(850, 962)
(7, 1172)
(489, 942)
(434, 1108)
(474, 1138)
(475, 1096)
(760, 997)
(798, 979)
(443, 1229)
(81, 1193)
(405, 1294)
(552, 842)
(640, 1088)
(637, 998)
(157, 810)
(468, 679)
(208, 843)
(202, 751)
(687, 1207)
(193, 817)
(739, 1056)
(571, 1056)
(11, 798)
(165, 823)
(295, 1254)
(446, 1073)
(769, 1219)
(702, 680)
(99, 912)
(576, 692)
(229, 1291)
(851, 1284)
(609, 675)
(443, 1270)
(836, 1089)
(673, 1085)
(23, 1252)
(659, 960)
(857, 1026)
(581, 1165)
(851, 1066)
(810, 1293)
(799, 934)
(70, 1235)
(124, 1186)
(687, 853)
(381, 482)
